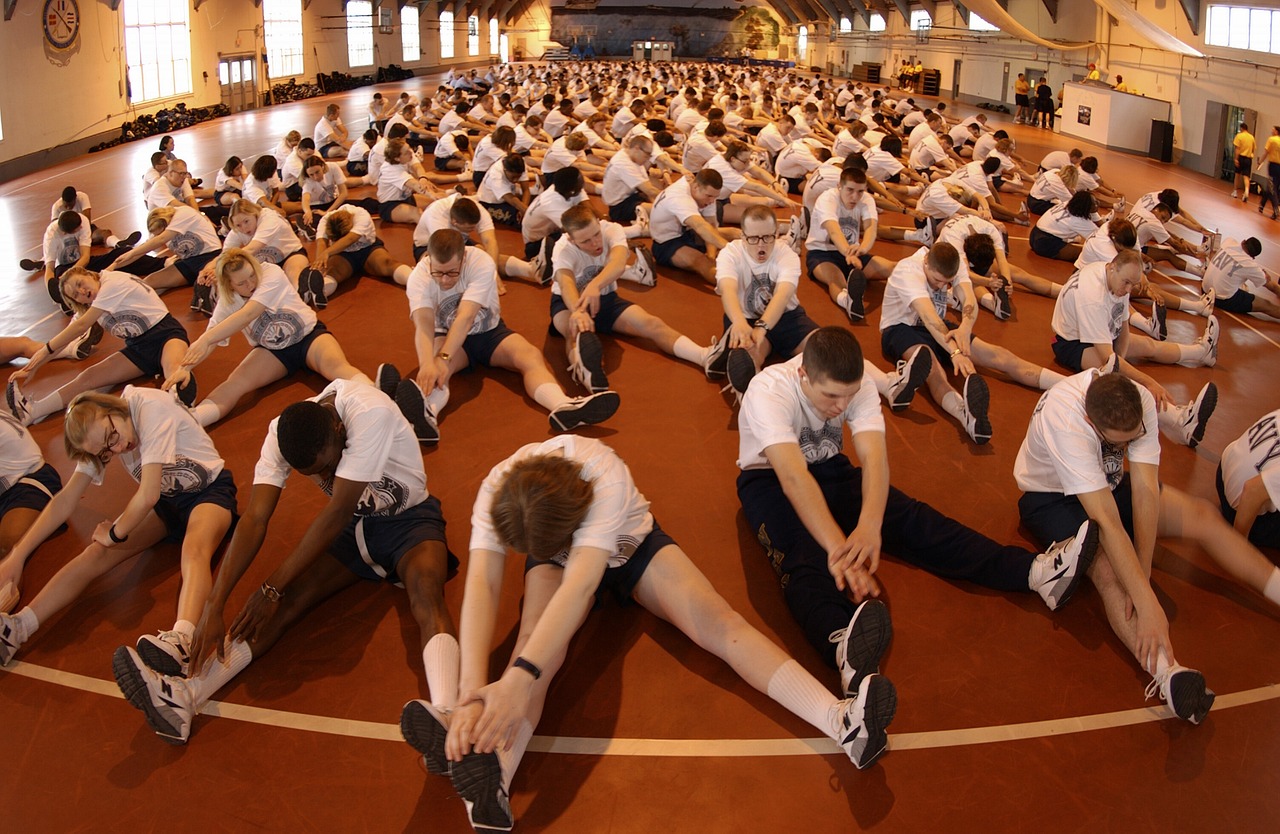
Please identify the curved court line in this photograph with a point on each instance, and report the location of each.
(676, 748)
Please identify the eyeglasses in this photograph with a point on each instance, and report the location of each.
(742, 161)
(453, 273)
(179, 174)
(1120, 443)
(756, 240)
(112, 438)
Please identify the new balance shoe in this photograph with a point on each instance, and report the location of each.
(857, 289)
(861, 644)
(82, 346)
(28, 265)
(425, 728)
(1207, 301)
(1184, 691)
(11, 638)
(19, 404)
(168, 652)
(588, 365)
(478, 780)
(165, 702)
(860, 721)
(1003, 302)
(311, 288)
(187, 392)
(387, 378)
(202, 299)
(1159, 322)
(413, 405)
(794, 239)
(645, 269)
(1198, 412)
(911, 374)
(584, 411)
(926, 234)
(1212, 333)
(741, 369)
(1056, 573)
(977, 400)
(717, 357)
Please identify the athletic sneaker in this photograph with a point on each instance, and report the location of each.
(28, 265)
(1198, 412)
(187, 393)
(165, 702)
(926, 234)
(588, 367)
(387, 378)
(10, 641)
(202, 299)
(1159, 322)
(794, 237)
(645, 268)
(130, 240)
(977, 399)
(306, 231)
(861, 644)
(478, 780)
(584, 411)
(1206, 304)
(311, 288)
(860, 721)
(911, 374)
(1004, 302)
(642, 215)
(1184, 691)
(83, 346)
(1120, 205)
(425, 728)
(55, 292)
(717, 357)
(1212, 332)
(856, 306)
(413, 405)
(18, 403)
(168, 652)
(741, 369)
(1056, 573)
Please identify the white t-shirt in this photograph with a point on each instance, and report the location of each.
(972, 177)
(908, 283)
(1086, 311)
(447, 146)
(1256, 452)
(325, 191)
(567, 256)
(276, 236)
(1150, 229)
(543, 215)
(1062, 453)
(1098, 248)
(129, 307)
(617, 521)
(163, 193)
(81, 206)
(881, 165)
(19, 453)
(559, 157)
(62, 248)
(495, 186)
(851, 221)
(982, 148)
(291, 172)
(775, 410)
(1056, 159)
(359, 150)
(732, 179)
(1064, 225)
(927, 153)
(477, 282)
(959, 228)
(436, 217)
(256, 191)
(757, 282)
(1230, 269)
(621, 178)
(1049, 186)
(796, 160)
(193, 234)
(674, 207)
(286, 319)
(222, 182)
(169, 435)
(698, 152)
(361, 224)
(381, 452)
(486, 154)
(393, 183)
(326, 131)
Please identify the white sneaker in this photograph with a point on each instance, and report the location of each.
(18, 403)
(1184, 691)
(642, 215)
(977, 400)
(1198, 412)
(478, 780)
(860, 722)
(168, 652)
(1056, 573)
(11, 638)
(584, 411)
(645, 269)
(413, 405)
(1207, 302)
(424, 727)
(794, 239)
(587, 365)
(803, 227)
(861, 644)
(1212, 332)
(165, 702)
(910, 375)
(926, 234)
(1120, 205)
(83, 346)
(717, 357)
(1235, 194)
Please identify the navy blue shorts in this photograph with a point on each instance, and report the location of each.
(189, 268)
(1265, 531)
(144, 351)
(1052, 517)
(357, 167)
(1037, 206)
(621, 581)
(32, 491)
(664, 252)
(503, 214)
(1241, 302)
(294, 357)
(625, 212)
(479, 347)
(385, 209)
(293, 192)
(357, 258)
(1045, 244)
(814, 257)
(898, 340)
(442, 162)
(371, 546)
(786, 336)
(175, 510)
(478, 176)
(611, 307)
(1070, 353)
(324, 149)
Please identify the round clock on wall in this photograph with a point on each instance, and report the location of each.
(61, 23)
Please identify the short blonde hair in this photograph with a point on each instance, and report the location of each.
(84, 411)
(233, 260)
(72, 273)
(159, 219)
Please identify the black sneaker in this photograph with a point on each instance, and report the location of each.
(311, 288)
(584, 411)
(717, 357)
(857, 281)
(977, 402)
(130, 241)
(861, 644)
(387, 378)
(414, 408)
(55, 292)
(28, 265)
(741, 369)
(187, 393)
(1004, 303)
(202, 299)
(478, 780)
(89, 341)
(423, 727)
(589, 369)
(1161, 316)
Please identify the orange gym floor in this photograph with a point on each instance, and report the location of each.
(1011, 718)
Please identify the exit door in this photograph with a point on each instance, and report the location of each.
(237, 82)
(955, 81)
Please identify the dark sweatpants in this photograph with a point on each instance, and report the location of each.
(912, 531)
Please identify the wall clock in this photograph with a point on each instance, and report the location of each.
(61, 23)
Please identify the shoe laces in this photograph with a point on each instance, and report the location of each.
(837, 635)
(173, 638)
(1156, 687)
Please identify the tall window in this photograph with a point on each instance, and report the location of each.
(446, 34)
(473, 36)
(846, 25)
(977, 24)
(493, 36)
(920, 20)
(877, 23)
(1240, 27)
(157, 49)
(359, 33)
(282, 31)
(802, 43)
(410, 44)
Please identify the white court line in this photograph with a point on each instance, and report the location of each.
(676, 748)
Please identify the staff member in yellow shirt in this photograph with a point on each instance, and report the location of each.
(1244, 144)
(1271, 153)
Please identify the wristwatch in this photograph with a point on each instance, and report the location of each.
(271, 592)
(444, 356)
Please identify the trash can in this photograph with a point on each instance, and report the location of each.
(1161, 147)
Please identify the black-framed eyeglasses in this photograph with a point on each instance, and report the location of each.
(756, 240)
(112, 438)
(1120, 443)
(453, 273)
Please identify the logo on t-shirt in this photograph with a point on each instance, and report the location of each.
(186, 245)
(124, 325)
(183, 475)
(823, 443)
(276, 330)
(448, 311)
(271, 255)
(383, 497)
(581, 280)
(759, 294)
(1112, 463)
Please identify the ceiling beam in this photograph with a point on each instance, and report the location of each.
(1051, 6)
(962, 11)
(1192, 9)
(833, 14)
(862, 9)
(518, 8)
(904, 9)
(782, 10)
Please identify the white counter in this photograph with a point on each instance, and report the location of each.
(1121, 121)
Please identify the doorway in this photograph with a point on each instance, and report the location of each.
(237, 82)
(955, 81)
(1230, 126)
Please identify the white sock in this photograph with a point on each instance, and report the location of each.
(550, 396)
(1049, 378)
(1139, 322)
(1162, 663)
(1272, 589)
(629, 273)
(48, 405)
(914, 235)
(1192, 356)
(111, 241)
(881, 380)
(206, 413)
(400, 276)
(331, 285)
(510, 759)
(842, 299)
(988, 303)
(953, 404)
(27, 622)
(186, 628)
(688, 351)
(216, 674)
(635, 230)
(437, 400)
(440, 659)
(798, 691)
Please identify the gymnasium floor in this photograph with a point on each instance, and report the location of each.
(1010, 718)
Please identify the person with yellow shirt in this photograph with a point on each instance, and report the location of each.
(1244, 144)
(1271, 154)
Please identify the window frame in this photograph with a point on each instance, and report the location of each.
(160, 34)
